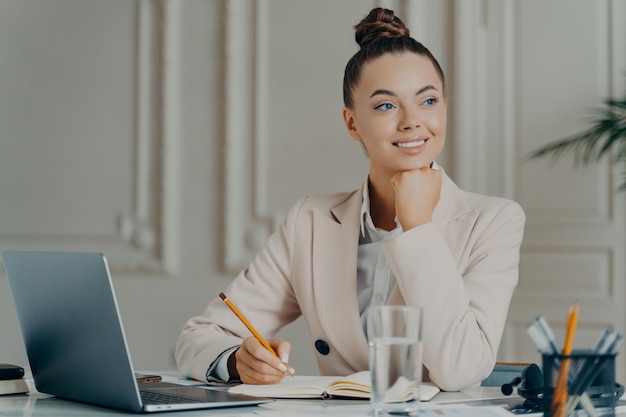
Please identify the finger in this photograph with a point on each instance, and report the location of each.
(251, 370)
(249, 375)
(259, 352)
(283, 349)
(256, 357)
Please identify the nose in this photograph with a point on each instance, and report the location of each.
(410, 119)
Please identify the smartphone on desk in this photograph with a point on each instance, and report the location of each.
(8, 371)
(142, 378)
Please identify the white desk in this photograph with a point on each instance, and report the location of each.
(41, 405)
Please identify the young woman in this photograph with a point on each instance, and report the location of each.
(409, 235)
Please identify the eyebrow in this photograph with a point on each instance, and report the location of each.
(391, 93)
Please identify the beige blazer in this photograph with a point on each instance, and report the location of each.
(461, 269)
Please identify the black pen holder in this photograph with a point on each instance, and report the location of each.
(591, 388)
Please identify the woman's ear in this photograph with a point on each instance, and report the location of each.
(348, 119)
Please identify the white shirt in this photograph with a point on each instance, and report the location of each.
(374, 277)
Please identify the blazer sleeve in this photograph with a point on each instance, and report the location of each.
(465, 296)
(264, 288)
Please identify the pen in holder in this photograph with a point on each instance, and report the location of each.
(590, 382)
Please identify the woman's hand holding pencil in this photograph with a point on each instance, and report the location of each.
(260, 361)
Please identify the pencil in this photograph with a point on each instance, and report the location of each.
(572, 321)
(247, 323)
(559, 398)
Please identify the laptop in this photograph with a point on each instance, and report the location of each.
(75, 342)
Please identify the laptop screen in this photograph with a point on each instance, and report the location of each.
(74, 339)
(70, 323)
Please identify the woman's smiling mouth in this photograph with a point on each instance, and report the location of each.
(411, 144)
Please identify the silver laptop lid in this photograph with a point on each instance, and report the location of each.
(74, 339)
(71, 328)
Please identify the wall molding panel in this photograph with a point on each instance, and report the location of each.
(469, 27)
(583, 273)
(142, 240)
(245, 224)
(148, 234)
(154, 226)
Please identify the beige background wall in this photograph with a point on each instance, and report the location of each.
(172, 136)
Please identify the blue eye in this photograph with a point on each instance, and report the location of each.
(431, 101)
(384, 106)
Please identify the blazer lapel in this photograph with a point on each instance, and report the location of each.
(454, 217)
(451, 205)
(335, 250)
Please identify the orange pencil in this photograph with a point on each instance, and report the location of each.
(572, 321)
(559, 398)
(247, 323)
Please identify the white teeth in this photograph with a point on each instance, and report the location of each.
(410, 144)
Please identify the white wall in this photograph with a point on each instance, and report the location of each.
(172, 136)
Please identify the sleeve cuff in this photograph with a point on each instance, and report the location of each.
(218, 371)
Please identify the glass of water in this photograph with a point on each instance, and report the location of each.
(395, 344)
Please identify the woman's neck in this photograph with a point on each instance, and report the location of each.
(382, 204)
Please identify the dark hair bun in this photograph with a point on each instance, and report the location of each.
(379, 23)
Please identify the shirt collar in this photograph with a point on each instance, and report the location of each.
(365, 207)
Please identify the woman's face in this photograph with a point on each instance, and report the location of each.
(399, 113)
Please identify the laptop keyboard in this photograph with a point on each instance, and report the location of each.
(151, 397)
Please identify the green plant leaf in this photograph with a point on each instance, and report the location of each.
(606, 135)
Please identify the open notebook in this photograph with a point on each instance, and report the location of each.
(357, 385)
